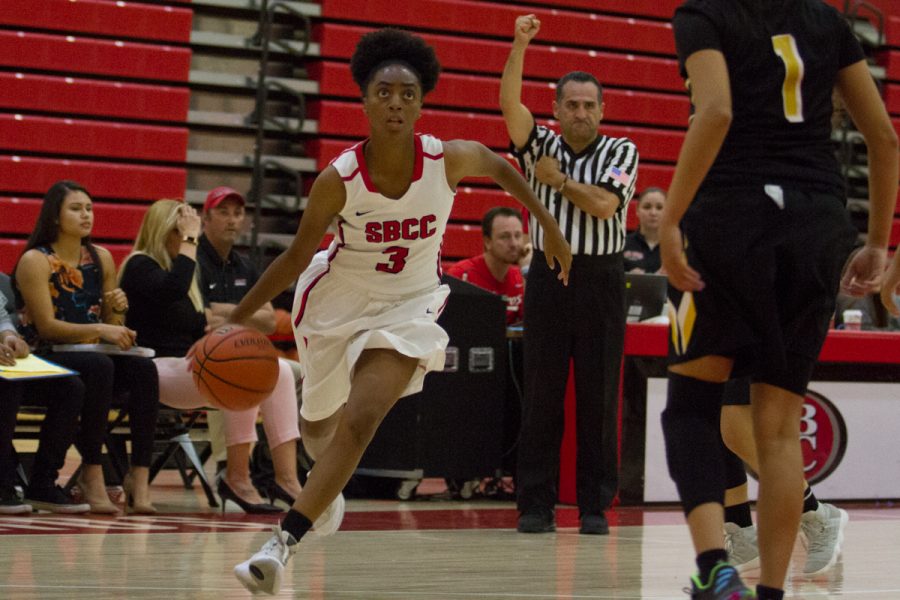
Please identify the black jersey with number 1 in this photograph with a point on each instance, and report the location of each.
(783, 57)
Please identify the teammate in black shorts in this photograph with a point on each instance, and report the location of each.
(753, 237)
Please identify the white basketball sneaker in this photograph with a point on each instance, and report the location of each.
(824, 532)
(742, 548)
(265, 569)
(330, 521)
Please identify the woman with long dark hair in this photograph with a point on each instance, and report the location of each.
(68, 295)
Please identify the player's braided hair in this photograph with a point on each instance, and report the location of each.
(384, 47)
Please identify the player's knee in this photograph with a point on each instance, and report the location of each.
(361, 425)
(690, 425)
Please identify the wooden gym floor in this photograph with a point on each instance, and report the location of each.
(436, 549)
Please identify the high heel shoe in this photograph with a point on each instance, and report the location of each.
(131, 506)
(275, 492)
(98, 506)
(226, 493)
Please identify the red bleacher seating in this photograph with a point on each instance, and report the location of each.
(102, 17)
(133, 60)
(462, 241)
(892, 98)
(11, 250)
(31, 175)
(481, 92)
(346, 119)
(662, 9)
(475, 55)
(892, 31)
(481, 18)
(111, 221)
(890, 60)
(472, 202)
(78, 137)
(73, 96)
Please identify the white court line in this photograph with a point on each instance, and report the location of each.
(417, 594)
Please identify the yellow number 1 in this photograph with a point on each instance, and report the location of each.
(786, 48)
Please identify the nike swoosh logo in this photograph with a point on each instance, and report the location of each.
(428, 311)
(365, 212)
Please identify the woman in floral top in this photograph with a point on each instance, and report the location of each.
(69, 294)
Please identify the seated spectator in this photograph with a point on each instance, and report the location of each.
(63, 397)
(641, 253)
(497, 269)
(160, 278)
(69, 295)
(225, 277)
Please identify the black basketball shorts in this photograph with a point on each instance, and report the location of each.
(771, 260)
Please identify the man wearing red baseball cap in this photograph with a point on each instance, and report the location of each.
(222, 194)
(225, 276)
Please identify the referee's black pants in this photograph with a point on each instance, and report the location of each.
(584, 322)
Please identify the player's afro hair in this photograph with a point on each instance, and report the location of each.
(384, 47)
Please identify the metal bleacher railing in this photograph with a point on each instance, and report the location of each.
(249, 88)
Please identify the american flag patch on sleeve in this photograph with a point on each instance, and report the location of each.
(618, 175)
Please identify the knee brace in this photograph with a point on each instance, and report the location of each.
(693, 441)
(735, 473)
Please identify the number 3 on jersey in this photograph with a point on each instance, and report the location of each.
(786, 48)
(397, 260)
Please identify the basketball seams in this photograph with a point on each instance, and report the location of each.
(218, 386)
(231, 333)
(198, 380)
(235, 386)
(240, 358)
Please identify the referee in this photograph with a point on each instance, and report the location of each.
(585, 180)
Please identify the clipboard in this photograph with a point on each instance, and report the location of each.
(105, 349)
(33, 367)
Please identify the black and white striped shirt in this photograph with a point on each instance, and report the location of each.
(610, 163)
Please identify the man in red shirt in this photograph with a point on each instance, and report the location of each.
(497, 269)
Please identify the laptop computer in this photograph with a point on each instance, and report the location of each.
(645, 296)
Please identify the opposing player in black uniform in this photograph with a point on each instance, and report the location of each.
(753, 237)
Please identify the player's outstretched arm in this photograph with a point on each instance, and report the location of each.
(860, 96)
(519, 121)
(711, 95)
(326, 199)
(465, 158)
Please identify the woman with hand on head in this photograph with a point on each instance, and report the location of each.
(67, 286)
(160, 278)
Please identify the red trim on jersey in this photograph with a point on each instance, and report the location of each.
(418, 161)
(343, 152)
(363, 168)
(444, 305)
(351, 175)
(310, 287)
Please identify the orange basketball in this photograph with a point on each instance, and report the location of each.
(235, 367)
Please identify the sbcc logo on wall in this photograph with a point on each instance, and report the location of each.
(823, 437)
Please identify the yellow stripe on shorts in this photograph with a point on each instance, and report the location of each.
(681, 322)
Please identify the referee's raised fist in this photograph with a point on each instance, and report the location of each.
(527, 27)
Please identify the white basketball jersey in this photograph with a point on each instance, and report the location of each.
(392, 246)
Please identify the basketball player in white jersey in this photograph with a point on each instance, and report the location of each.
(365, 309)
